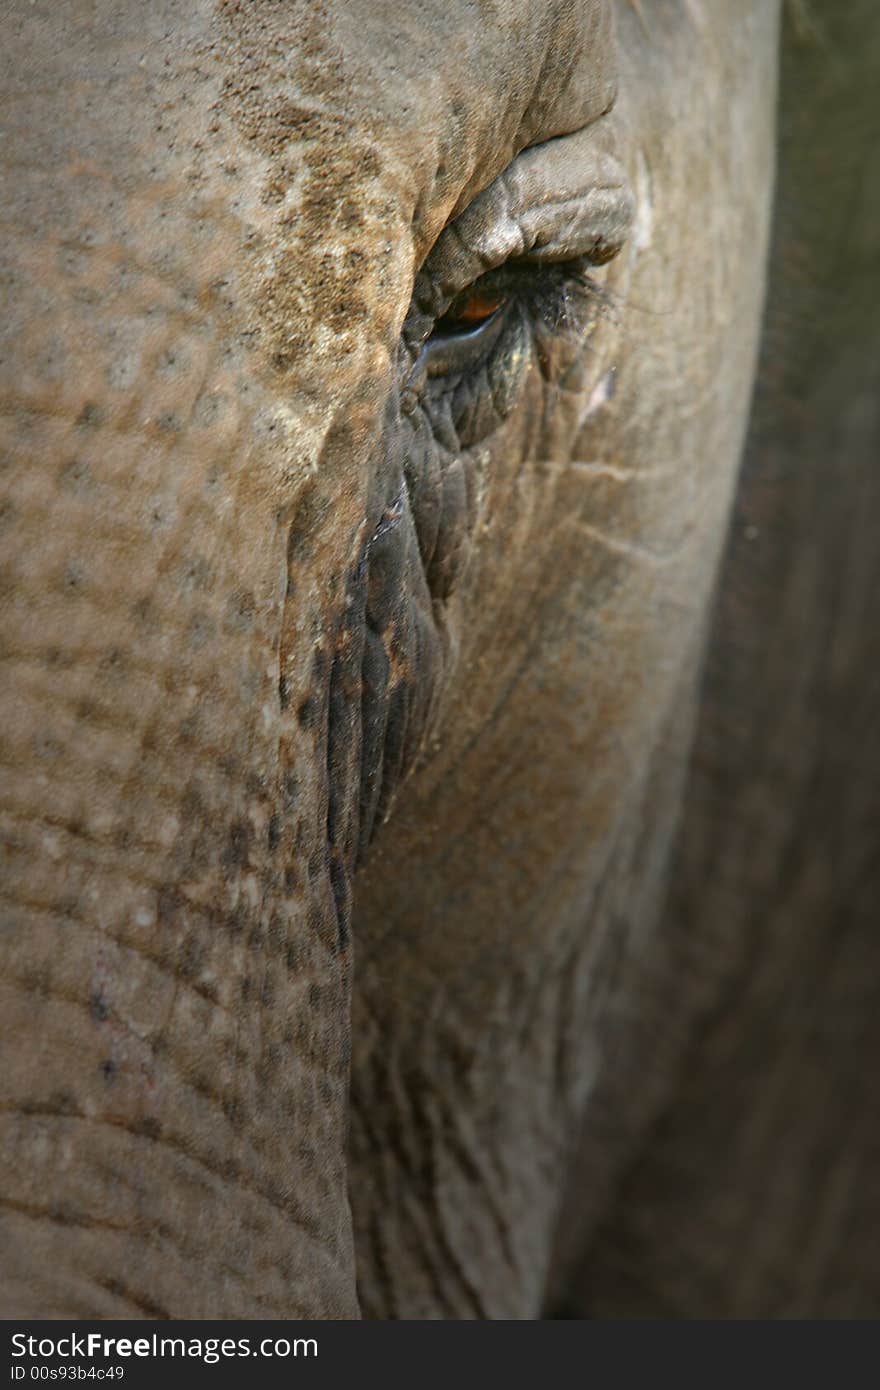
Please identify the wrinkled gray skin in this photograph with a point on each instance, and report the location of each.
(349, 689)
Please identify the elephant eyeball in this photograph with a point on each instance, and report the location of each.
(471, 310)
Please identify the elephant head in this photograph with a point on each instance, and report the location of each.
(376, 377)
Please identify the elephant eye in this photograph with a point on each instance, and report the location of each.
(471, 310)
(509, 283)
(470, 327)
(494, 313)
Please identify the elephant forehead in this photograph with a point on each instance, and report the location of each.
(292, 162)
(476, 81)
(376, 122)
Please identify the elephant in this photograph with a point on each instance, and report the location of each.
(439, 727)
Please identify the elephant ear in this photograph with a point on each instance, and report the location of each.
(174, 993)
(757, 1196)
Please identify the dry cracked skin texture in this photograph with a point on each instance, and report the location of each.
(217, 234)
(260, 595)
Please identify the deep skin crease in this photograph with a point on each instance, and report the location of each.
(340, 770)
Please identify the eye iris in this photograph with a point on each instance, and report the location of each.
(471, 309)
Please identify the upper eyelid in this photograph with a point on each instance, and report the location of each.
(521, 214)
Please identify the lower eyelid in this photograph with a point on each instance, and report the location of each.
(442, 354)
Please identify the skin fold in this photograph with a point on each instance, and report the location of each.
(351, 671)
(754, 1194)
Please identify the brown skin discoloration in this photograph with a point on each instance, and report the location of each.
(270, 582)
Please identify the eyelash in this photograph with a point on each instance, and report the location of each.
(560, 297)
